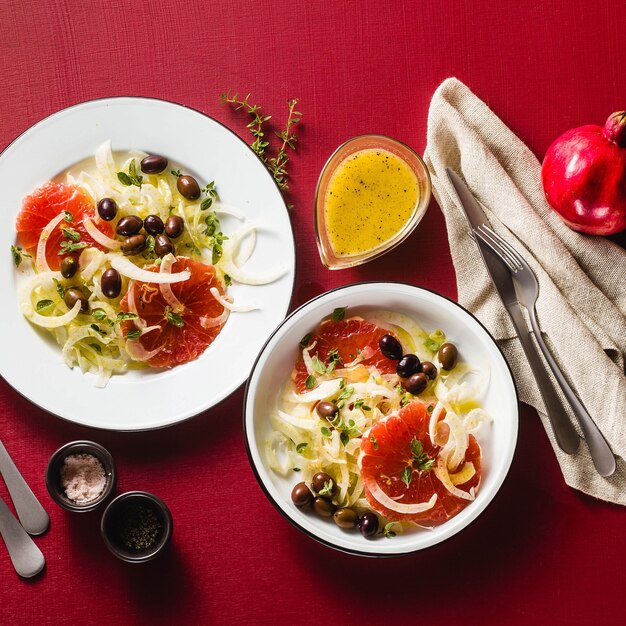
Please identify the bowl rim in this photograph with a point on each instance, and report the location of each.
(277, 505)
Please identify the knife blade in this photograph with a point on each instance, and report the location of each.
(564, 432)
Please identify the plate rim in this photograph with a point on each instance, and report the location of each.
(279, 508)
(32, 128)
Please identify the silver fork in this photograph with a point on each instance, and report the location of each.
(528, 292)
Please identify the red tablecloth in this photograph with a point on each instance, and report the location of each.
(541, 553)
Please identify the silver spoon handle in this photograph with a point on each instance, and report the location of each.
(26, 556)
(603, 458)
(32, 515)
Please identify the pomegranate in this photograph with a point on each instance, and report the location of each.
(584, 177)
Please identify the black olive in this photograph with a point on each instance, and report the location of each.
(416, 383)
(448, 356)
(407, 365)
(323, 484)
(429, 369)
(153, 164)
(111, 283)
(327, 409)
(107, 209)
(390, 347)
(74, 295)
(134, 244)
(174, 226)
(163, 245)
(129, 225)
(368, 524)
(323, 507)
(346, 518)
(301, 495)
(154, 225)
(69, 265)
(188, 187)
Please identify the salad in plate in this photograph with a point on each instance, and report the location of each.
(379, 424)
(130, 267)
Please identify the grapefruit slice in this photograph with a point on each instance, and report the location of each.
(349, 337)
(398, 457)
(43, 205)
(180, 336)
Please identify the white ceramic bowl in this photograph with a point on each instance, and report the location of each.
(276, 360)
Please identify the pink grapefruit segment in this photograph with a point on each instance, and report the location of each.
(386, 451)
(178, 343)
(43, 205)
(349, 337)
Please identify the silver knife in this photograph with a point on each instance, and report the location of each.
(564, 432)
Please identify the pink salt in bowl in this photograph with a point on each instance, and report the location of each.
(54, 481)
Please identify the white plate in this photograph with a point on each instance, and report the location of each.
(475, 345)
(31, 362)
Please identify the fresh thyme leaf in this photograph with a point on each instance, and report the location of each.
(374, 442)
(67, 247)
(430, 408)
(405, 400)
(400, 389)
(173, 318)
(44, 304)
(296, 469)
(360, 404)
(424, 462)
(150, 242)
(344, 436)
(407, 475)
(176, 174)
(70, 233)
(124, 179)
(132, 178)
(125, 316)
(339, 313)
(59, 287)
(318, 366)
(68, 217)
(325, 431)
(210, 193)
(327, 489)
(434, 341)
(133, 333)
(306, 340)
(301, 447)
(387, 532)
(99, 315)
(228, 281)
(18, 255)
(206, 204)
(97, 329)
(310, 382)
(212, 224)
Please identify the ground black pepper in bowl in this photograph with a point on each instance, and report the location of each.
(136, 526)
(139, 527)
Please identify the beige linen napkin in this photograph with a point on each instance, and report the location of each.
(582, 301)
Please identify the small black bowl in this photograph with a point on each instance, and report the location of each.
(113, 521)
(53, 475)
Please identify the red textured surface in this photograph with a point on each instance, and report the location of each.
(541, 553)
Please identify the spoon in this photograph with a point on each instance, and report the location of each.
(26, 556)
(29, 510)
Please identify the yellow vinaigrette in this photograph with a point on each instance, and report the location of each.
(369, 199)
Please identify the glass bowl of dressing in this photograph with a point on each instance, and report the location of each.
(371, 194)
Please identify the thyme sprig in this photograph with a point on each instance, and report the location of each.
(276, 165)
